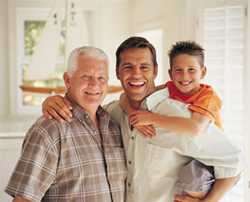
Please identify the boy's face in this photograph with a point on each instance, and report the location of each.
(186, 73)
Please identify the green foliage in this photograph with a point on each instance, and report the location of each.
(32, 33)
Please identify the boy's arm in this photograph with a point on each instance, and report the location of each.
(219, 189)
(192, 126)
(146, 130)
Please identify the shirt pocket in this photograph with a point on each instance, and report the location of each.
(116, 165)
(164, 162)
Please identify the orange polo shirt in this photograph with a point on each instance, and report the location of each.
(205, 101)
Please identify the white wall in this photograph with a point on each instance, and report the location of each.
(246, 102)
(113, 29)
(4, 67)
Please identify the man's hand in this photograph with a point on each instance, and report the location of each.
(141, 118)
(57, 107)
(186, 198)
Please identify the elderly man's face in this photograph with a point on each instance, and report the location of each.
(89, 82)
(137, 73)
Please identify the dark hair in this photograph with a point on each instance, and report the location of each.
(186, 47)
(135, 42)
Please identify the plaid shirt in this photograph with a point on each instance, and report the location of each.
(71, 161)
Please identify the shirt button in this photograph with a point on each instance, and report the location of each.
(129, 162)
(129, 184)
(132, 137)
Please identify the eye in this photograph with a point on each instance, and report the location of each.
(145, 67)
(178, 70)
(126, 67)
(102, 79)
(191, 70)
(85, 77)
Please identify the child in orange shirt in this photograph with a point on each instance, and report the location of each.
(186, 71)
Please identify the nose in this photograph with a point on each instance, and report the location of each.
(136, 71)
(93, 81)
(185, 75)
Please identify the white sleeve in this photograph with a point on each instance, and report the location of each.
(212, 148)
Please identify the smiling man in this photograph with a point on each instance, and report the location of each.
(78, 161)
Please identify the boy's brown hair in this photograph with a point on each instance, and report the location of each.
(186, 47)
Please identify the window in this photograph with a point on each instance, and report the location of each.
(30, 26)
(224, 43)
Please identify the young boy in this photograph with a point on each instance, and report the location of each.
(186, 71)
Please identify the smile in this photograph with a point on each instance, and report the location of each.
(136, 83)
(92, 94)
(185, 83)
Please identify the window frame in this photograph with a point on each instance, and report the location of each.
(200, 38)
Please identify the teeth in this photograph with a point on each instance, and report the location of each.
(185, 82)
(136, 83)
(92, 93)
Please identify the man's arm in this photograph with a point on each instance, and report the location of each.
(219, 189)
(57, 107)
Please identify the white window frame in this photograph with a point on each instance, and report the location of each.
(23, 14)
(246, 182)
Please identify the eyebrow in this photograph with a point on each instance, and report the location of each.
(187, 66)
(129, 63)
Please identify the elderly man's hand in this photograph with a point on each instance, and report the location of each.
(57, 107)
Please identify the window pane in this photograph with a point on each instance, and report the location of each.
(33, 30)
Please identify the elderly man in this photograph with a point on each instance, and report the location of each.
(78, 161)
(153, 164)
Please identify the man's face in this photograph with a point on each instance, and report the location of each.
(89, 82)
(137, 73)
(186, 73)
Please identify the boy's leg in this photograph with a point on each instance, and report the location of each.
(195, 179)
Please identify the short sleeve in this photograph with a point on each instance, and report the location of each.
(209, 105)
(36, 169)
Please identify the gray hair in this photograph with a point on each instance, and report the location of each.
(90, 51)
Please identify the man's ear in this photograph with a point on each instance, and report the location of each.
(66, 79)
(203, 72)
(155, 71)
(117, 73)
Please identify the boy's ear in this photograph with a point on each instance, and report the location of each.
(204, 72)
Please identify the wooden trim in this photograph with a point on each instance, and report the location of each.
(60, 89)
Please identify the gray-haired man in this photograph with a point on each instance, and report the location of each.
(78, 161)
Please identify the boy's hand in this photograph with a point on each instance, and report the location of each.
(147, 130)
(141, 118)
(57, 107)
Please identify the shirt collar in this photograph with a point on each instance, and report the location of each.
(80, 113)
